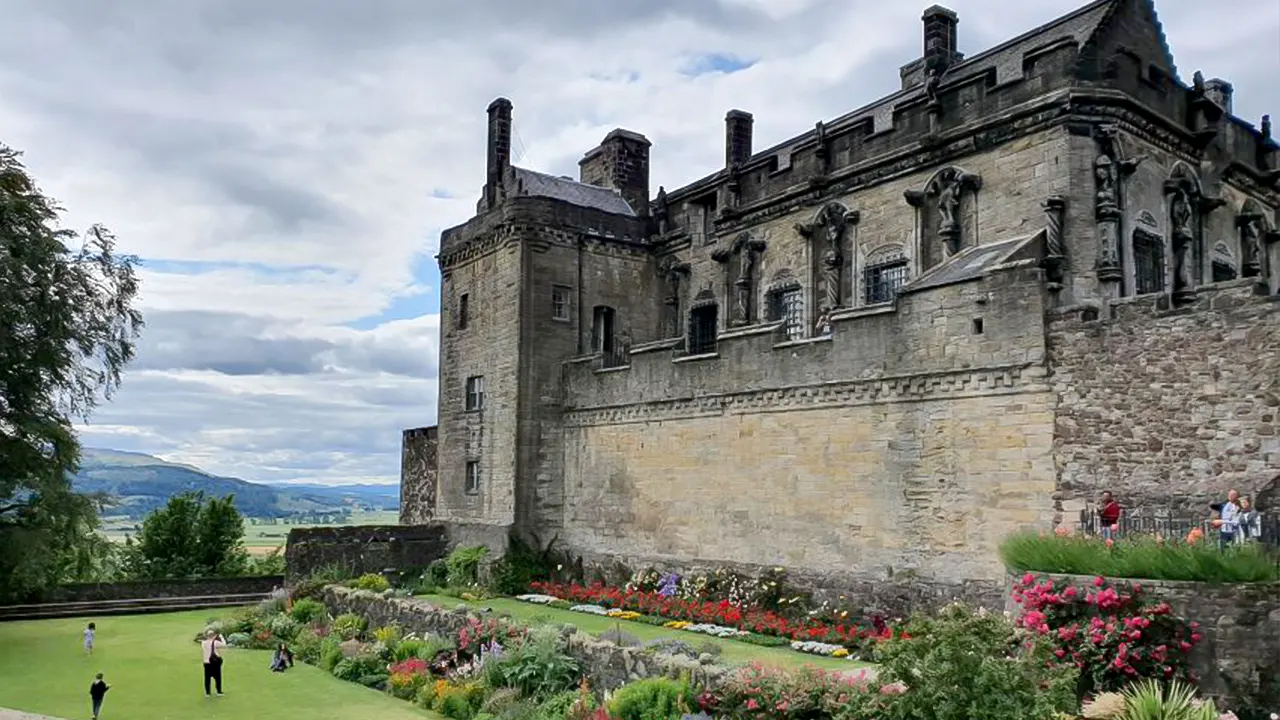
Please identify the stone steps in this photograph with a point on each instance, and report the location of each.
(134, 606)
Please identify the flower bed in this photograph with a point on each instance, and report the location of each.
(719, 618)
(1147, 557)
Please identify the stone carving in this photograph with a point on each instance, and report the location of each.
(827, 232)
(947, 189)
(820, 137)
(739, 260)
(660, 210)
(672, 272)
(1253, 228)
(1110, 168)
(1187, 207)
(1055, 255)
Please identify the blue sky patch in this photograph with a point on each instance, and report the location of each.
(715, 63)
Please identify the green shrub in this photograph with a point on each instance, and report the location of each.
(522, 564)
(464, 565)
(1143, 557)
(652, 699)
(455, 707)
(388, 635)
(330, 654)
(424, 648)
(538, 667)
(371, 581)
(353, 668)
(962, 664)
(313, 585)
(239, 639)
(283, 627)
(348, 626)
(306, 646)
(1149, 700)
(307, 611)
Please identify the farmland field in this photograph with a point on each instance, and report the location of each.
(259, 537)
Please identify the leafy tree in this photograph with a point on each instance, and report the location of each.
(191, 536)
(67, 329)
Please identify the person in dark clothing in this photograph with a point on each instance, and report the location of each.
(1109, 512)
(282, 659)
(97, 691)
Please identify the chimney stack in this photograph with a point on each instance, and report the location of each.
(1220, 92)
(940, 46)
(620, 162)
(499, 150)
(737, 137)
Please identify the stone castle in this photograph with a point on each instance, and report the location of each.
(871, 351)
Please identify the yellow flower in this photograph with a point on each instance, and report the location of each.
(840, 653)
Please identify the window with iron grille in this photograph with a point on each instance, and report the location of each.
(1223, 271)
(463, 310)
(787, 305)
(882, 281)
(702, 330)
(559, 302)
(1148, 262)
(472, 486)
(475, 392)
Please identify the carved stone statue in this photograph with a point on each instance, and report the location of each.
(827, 231)
(672, 273)
(742, 303)
(1180, 214)
(949, 207)
(660, 210)
(1183, 193)
(1104, 176)
(948, 187)
(744, 251)
(1251, 247)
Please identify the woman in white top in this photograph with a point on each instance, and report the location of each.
(209, 648)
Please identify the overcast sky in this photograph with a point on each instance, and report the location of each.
(284, 168)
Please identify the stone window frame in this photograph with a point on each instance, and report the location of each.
(704, 300)
(1151, 239)
(471, 477)
(795, 325)
(474, 394)
(881, 256)
(463, 318)
(562, 308)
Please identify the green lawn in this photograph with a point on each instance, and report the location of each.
(153, 667)
(731, 651)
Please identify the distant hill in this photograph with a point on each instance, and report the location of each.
(141, 483)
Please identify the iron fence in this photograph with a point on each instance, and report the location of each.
(1266, 530)
(616, 353)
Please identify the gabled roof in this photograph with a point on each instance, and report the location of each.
(536, 184)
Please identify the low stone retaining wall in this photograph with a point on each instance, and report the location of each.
(608, 666)
(360, 549)
(144, 589)
(1238, 658)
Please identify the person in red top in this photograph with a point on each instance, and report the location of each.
(1109, 513)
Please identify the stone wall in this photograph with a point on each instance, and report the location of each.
(608, 666)
(363, 549)
(143, 589)
(1239, 656)
(418, 476)
(1169, 408)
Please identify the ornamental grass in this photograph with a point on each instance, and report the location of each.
(1195, 558)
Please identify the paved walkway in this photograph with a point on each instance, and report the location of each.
(6, 714)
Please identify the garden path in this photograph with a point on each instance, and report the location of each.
(6, 714)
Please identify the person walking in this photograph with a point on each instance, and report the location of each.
(1109, 513)
(1228, 521)
(89, 633)
(209, 647)
(97, 691)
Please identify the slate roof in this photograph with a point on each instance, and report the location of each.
(1078, 26)
(971, 263)
(536, 184)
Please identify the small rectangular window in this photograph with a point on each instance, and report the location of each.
(472, 485)
(463, 310)
(1148, 262)
(788, 306)
(560, 303)
(881, 282)
(475, 392)
(702, 330)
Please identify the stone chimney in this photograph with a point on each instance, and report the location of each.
(737, 137)
(940, 47)
(499, 150)
(1220, 92)
(620, 162)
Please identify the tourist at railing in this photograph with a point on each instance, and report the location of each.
(1228, 520)
(1250, 522)
(1109, 513)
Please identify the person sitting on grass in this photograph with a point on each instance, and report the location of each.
(282, 659)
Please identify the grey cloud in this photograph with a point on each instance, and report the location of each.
(242, 345)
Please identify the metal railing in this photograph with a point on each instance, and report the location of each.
(616, 354)
(1266, 531)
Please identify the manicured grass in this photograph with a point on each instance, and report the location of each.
(153, 667)
(731, 651)
(1140, 557)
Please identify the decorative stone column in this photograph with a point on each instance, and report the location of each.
(1055, 255)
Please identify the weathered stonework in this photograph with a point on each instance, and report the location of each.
(1238, 659)
(418, 476)
(148, 589)
(363, 549)
(851, 353)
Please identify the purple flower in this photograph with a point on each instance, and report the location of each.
(668, 584)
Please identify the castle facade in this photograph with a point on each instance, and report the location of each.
(870, 352)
